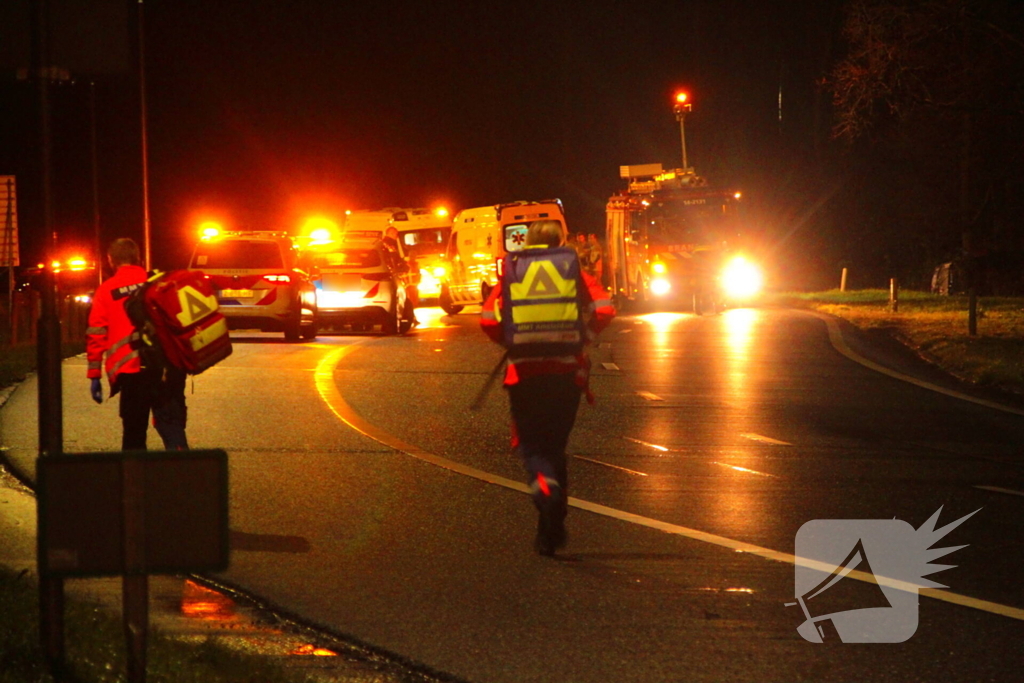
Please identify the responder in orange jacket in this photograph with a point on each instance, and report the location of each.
(112, 345)
(544, 395)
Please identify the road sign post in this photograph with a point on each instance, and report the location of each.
(132, 514)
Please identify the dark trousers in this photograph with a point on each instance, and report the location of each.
(146, 392)
(543, 412)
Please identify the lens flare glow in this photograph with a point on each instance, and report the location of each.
(741, 279)
(660, 287)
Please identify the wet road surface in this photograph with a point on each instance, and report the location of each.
(740, 427)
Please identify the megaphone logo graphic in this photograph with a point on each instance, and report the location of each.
(857, 580)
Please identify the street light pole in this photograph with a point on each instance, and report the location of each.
(145, 140)
(97, 246)
(682, 108)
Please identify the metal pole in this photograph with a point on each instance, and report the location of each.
(9, 229)
(842, 281)
(51, 418)
(97, 245)
(145, 139)
(135, 582)
(682, 134)
(894, 295)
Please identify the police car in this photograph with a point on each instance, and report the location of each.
(257, 282)
(360, 283)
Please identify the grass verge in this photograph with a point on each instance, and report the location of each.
(95, 647)
(936, 327)
(18, 361)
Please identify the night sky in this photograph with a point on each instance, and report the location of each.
(263, 112)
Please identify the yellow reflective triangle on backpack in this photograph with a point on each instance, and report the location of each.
(543, 281)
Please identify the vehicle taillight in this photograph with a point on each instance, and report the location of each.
(373, 291)
(280, 279)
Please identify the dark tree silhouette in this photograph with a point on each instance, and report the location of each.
(932, 93)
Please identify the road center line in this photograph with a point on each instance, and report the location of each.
(663, 449)
(764, 439)
(609, 366)
(646, 395)
(324, 378)
(998, 489)
(741, 469)
(614, 467)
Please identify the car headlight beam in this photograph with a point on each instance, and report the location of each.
(660, 286)
(741, 279)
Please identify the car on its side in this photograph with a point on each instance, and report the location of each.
(258, 283)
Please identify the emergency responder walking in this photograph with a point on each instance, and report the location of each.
(408, 271)
(545, 311)
(595, 258)
(112, 334)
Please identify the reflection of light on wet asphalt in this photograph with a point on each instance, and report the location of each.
(313, 650)
(662, 325)
(199, 602)
(432, 318)
(215, 609)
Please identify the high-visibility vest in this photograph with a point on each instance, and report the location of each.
(542, 302)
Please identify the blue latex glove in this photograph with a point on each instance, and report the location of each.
(96, 389)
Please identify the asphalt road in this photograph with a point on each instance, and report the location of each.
(713, 440)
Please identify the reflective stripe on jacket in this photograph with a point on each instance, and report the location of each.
(110, 333)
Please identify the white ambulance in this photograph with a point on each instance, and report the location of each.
(423, 238)
(481, 237)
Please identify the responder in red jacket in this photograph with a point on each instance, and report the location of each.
(544, 395)
(112, 346)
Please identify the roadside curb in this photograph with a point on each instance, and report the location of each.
(955, 386)
(6, 392)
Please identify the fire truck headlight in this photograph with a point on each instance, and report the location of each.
(658, 267)
(741, 279)
(660, 286)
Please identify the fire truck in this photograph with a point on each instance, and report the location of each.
(671, 239)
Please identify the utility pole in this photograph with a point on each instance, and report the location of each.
(97, 243)
(145, 138)
(682, 108)
(51, 416)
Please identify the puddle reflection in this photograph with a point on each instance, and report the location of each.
(206, 604)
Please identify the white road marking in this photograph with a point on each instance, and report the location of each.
(609, 366)
(742, 469)
(608, 464)
(626, 331)
(835, 336)
(998, 489)
(764, 439)
(324, 378)
(649, 396)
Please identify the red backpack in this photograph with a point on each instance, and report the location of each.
(180, 321)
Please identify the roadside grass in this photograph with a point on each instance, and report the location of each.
(936, 327)
(18, 361)
(95, 647)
